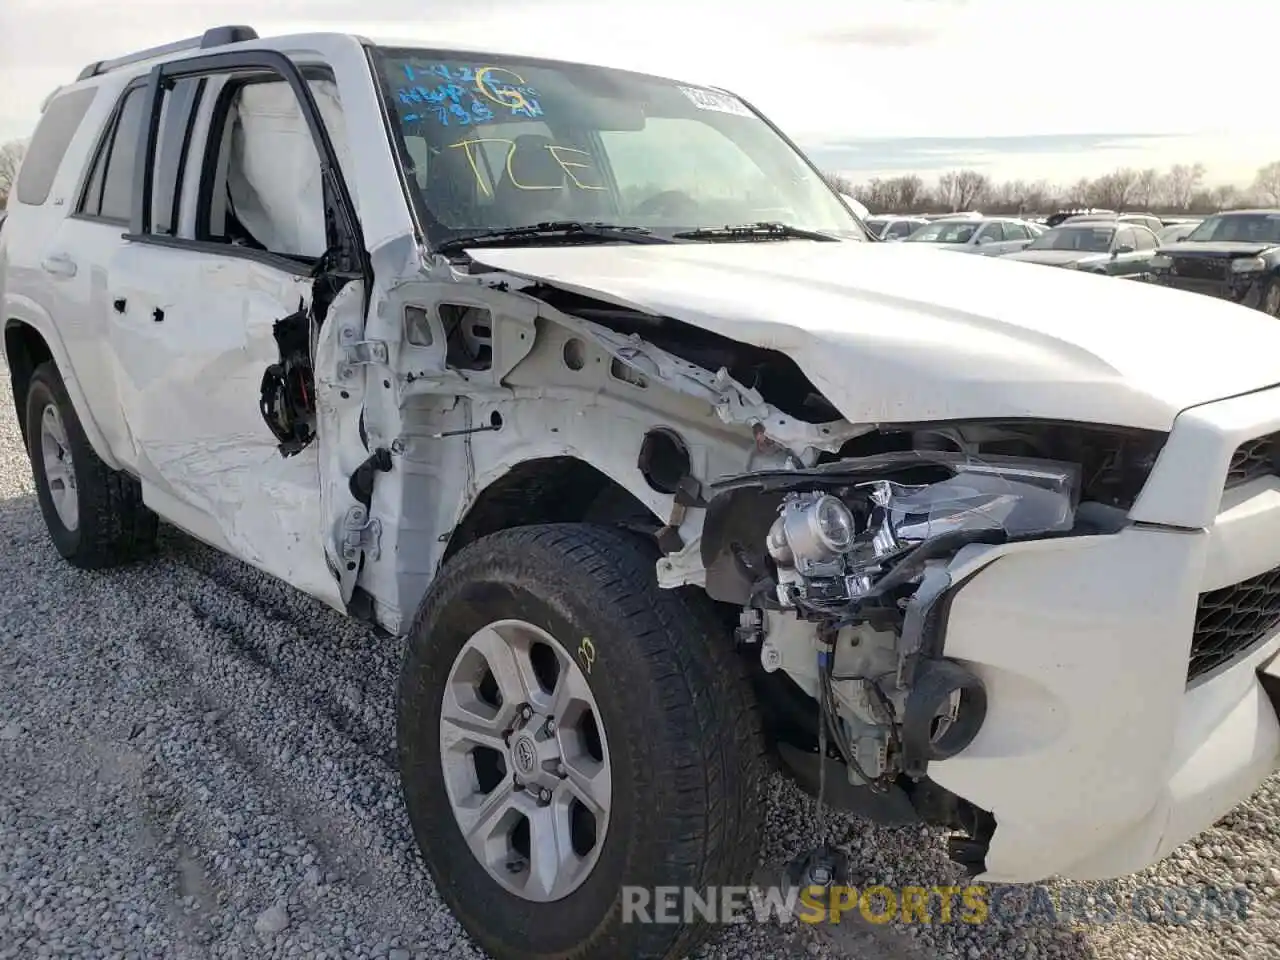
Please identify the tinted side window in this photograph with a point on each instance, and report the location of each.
(117, 183)
(991, 232)
(49, 145)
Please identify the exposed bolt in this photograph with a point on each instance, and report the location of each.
(526, 712)
(550, 726)
(560, 770)
(544, 795)
(770, 657)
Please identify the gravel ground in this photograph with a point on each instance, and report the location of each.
(195, 761)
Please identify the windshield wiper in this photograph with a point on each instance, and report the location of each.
(755, 231)
(551, 232)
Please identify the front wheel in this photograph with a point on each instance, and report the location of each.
(567, 728)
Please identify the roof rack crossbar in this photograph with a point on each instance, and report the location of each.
(213, 37)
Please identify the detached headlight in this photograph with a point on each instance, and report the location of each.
(1161, 262)
(1248, 265)
(1021, 499)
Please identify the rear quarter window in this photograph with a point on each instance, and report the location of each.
(49, 144)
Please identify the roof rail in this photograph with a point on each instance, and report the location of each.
(213, 37)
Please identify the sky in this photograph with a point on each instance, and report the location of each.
(1032, 89)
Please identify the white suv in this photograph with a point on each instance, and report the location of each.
(587, 383)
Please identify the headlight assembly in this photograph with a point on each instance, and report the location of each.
(1248, 265)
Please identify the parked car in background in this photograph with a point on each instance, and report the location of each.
(1116, 249)
(955, 215)
(1062, 215)
(1177, 230)
(1148, 220)
(988, 236)
(895, 228)
(1234, 255)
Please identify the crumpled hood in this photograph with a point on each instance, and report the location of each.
(1056, 257)
(892, 334)
(1225, 249)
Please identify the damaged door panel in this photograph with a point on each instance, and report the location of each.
(245, 272)
(190, 389)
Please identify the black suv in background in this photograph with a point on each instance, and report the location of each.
(1233, 255)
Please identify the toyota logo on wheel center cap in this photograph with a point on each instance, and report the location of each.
(524, 755)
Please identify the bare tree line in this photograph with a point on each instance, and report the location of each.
(1179, 189)
(11, 154)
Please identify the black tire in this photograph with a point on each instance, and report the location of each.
(114, 527)
(681, 721)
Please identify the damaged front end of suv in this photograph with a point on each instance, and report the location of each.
(845, 572)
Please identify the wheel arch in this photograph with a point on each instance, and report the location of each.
(552, 489)
(29, 342)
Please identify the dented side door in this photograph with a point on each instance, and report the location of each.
(217, 344)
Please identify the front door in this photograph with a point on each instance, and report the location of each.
(219, 302)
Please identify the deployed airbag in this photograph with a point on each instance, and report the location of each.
(273, 177)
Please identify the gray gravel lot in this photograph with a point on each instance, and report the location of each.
(195, 761)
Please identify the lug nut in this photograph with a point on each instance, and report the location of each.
(550, 726)
(526, 712)
(544, 795)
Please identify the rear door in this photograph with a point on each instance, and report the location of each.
(70, 229)
(243, 243)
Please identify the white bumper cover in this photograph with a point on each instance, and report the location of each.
(1097, 758)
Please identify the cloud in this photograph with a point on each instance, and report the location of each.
(895, 35)
(827, 73)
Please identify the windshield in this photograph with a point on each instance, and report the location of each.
(496, 142)
(942, 231)
(1083, 239)
(1238, 228)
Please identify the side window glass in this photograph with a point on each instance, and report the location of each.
(1125, 238)
(1146, 239)
(991, 233)
(59, 123)
(177, 118)
(262, 186)
(109, 193)
(1015, 231)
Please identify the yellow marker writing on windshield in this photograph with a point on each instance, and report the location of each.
(515, 102)
(567, 165)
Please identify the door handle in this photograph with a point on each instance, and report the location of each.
(60, 265)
